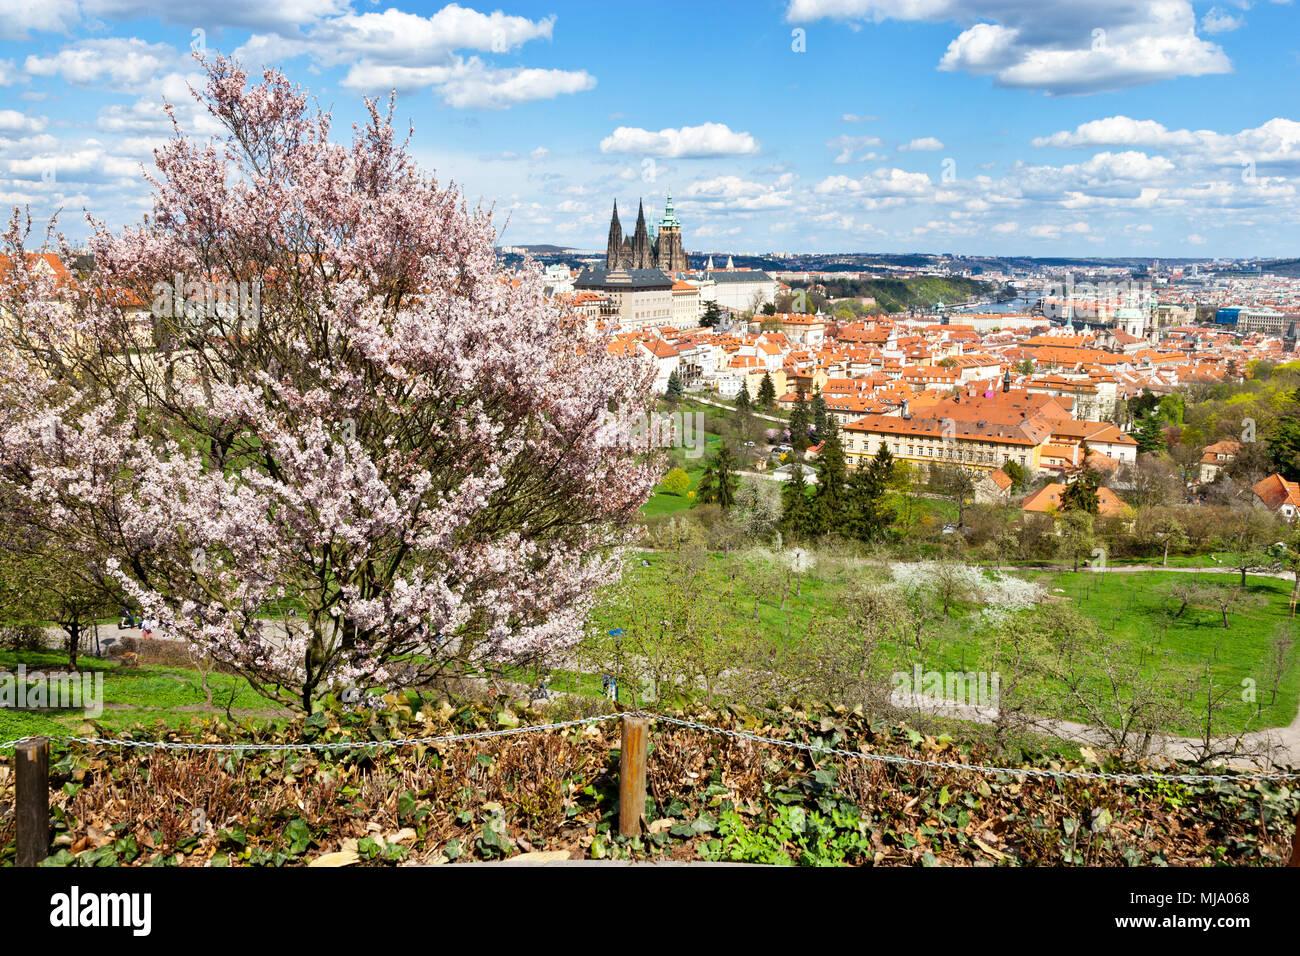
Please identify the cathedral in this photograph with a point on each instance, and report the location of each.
(662, 250)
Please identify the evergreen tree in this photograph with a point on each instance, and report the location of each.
(766, 392)
(867, 515)
(799, 422)
(796, 506)
(712, 315)
(675, 390)
(719, 482)
(829, 500)
(1081, 494)
(1149, 433)
(742, 399)
(1017, 473)
(819, 414)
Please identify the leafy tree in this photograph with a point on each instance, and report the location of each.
(1284, 442)
(953, 482)
(818, 412)
(39, 582)
(677, 482)
(742, 399)
(1077, 540)
(718, 484)
(766, 392)
(1252, 531)
(339, 434)
(1018, 474)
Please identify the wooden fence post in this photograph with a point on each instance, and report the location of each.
(32, 800)
(631, 774)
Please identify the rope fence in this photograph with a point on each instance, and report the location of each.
(31, 761)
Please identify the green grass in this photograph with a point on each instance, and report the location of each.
(134, 695)
(1136, 607)
(1130, 606)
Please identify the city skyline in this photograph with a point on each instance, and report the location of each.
(1106, 129)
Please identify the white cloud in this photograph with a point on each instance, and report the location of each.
(118, 62)
(923, 144)
(687, 142)
(1058, 46)
(481, 87)
(287, 15)
(880, 183)
(847, 146)
(11, 121)
(471, 83)
(18, 18)
(735, 194)
(1220, 21)
(1275, 143)
(395, 50)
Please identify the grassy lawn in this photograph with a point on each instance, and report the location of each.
(1136, 607)
(662, 502)
(1130, 606)
(135, 695)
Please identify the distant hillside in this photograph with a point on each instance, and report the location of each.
(914, 292)
(1283, 267)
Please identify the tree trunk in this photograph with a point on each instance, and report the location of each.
(74, 643)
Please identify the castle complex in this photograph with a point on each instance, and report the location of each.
(663, 250)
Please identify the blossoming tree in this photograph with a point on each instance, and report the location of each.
(304, 383)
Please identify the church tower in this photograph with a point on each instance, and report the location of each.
(641, 258)
(669, 254)
(614, 247)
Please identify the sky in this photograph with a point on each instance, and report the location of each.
(994, 127)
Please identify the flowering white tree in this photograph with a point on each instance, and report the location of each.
(947, 583)
(304, 382)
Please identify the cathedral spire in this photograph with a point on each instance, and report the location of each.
(614, 247)
(641, 258)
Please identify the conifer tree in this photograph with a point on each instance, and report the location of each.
(796, 507)
(799, 422)
(674, 392)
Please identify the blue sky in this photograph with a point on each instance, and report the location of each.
(1165, 128)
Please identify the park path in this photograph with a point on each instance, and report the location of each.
(1276, 746)
(732, 408)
